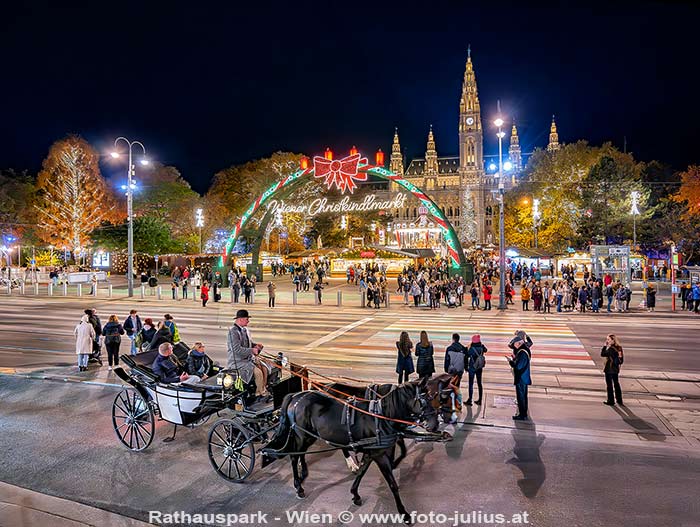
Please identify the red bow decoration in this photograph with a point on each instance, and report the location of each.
(342, 172)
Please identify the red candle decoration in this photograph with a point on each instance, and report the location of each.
(328, 154)
(379, 158)
(353, 150)
(304, 163)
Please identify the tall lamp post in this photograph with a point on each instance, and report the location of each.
(502, 235)
(129, 206)
(635, 210)
(199, 216)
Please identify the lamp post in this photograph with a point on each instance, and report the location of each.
(199, 216)
(502, 235)
(635, 210)
(129, 207)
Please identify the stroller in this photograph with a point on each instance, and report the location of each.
(451, 299)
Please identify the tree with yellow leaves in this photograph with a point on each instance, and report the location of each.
(73, 198)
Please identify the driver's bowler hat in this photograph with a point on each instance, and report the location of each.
(242, 313)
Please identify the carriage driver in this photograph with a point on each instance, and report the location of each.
(242, 354)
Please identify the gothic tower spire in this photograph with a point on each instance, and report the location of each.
(471, 151)
(396, 160)
(553, 137)
(514, 151)
(430, 172)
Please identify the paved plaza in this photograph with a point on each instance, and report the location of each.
(59, 444)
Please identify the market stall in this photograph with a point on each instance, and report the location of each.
(393, 261)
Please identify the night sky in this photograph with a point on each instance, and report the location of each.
(207, 87)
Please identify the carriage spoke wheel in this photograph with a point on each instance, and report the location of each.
(133, 420)
(230, 453)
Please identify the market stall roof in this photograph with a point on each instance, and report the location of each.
(527, 253)
(314, 252)
(419, 252)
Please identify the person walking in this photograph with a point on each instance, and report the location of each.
(537, 297)
(475, 367)
(204, 295)
(425, 365)
(474, 292)
(132, 326)
(487, 290)
(112, 332)
(236, 289)
(185, 283)
(525, 297)
(546, 298)
(404, 361)
(455, 358)
(614, 357)
(271, 288)
(84, 337)
(583, 297)
(696, 297)
(416, 293)
(520, 363)
(318, 289)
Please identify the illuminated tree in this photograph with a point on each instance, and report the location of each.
(73, 198)
(467, 220)
(689, 192)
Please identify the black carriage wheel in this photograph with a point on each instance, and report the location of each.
(133, 420)
(231, 452)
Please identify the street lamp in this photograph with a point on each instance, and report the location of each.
(634, 211)
(129, 206)
(199, 216)
(502, 235)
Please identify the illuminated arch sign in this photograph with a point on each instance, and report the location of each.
(343, 174)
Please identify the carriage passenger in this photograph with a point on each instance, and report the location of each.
(198, 363)
(166, 368)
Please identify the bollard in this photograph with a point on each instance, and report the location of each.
(340, 298)
(232, 296)
(160, 292)
(36, 288)
(316, 297)
(363, 296)
(94, 290)
(65, 288)
(197, 293)
(9, 288)
(387, 300)
(21, 288)
(143, 291)
(110, 291)
(50, 289)
(80, 289)
(294, 297)
(252, 296)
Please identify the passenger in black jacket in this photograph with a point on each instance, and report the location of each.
(198, 363)
(166, 369)
(613, 353)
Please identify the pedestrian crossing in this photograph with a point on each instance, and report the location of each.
(351, 342)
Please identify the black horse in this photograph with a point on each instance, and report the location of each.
(306, 417)
(438, 389)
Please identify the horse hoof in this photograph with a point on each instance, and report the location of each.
(407, 519)
(357, 501)
(301, 495)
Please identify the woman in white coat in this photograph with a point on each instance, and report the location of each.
(84, 336)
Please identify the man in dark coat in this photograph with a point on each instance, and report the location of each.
(165, 368)
(520, 363)
(132, 326)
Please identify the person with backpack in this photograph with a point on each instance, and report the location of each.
(112, 332)
(455, 358)
(614, 358)
(476, 364)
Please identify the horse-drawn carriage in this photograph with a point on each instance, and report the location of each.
(370, 421)
(232, 438)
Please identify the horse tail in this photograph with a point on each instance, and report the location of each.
(279, 442)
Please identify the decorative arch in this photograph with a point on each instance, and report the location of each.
(345, 182)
